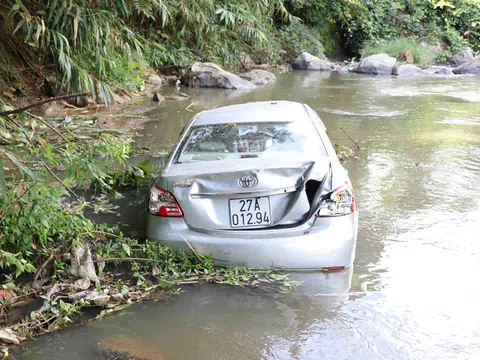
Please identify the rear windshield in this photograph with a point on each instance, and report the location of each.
(252, 140)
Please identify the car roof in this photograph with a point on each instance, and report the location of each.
(260, 111)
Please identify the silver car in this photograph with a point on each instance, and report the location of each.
(256, 185)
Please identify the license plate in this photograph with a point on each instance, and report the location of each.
(250, 212)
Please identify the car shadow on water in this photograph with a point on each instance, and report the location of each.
(127, 213)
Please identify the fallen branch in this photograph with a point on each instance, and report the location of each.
(191, 248)
(60, 181)
(356, 144)
(47, 125)
(31, 106)
(40, 269)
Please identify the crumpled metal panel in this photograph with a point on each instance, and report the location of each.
(203, 189)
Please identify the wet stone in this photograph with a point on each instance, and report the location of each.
(379, 64)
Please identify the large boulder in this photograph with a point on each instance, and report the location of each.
(259, 77)
(410, 70)
(210, 75)
(379, 64)
(306, 61)
(462, 56)
(470, 67)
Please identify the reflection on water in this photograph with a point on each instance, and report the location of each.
(413, 292)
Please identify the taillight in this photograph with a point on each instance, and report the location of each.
(163, 203)
(340, 201)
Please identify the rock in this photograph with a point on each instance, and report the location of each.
(410, 70)
(470, 67)
(118, 297)
(267, 67)
(121, 347)
(305, 61)
(352, 66)
(100, 265)
(53, 110)
(259, 77)
(82, 284)
(78, 295)
(82, 264)
(171, 79)
(406, 55)
(158, 97)
(121, 98)
(210, 75)
(441, 70)
(284, 68)
(245, 60)
(97, 298)
(155, 80)
(379, 64)
(462, 56)
(7, 336)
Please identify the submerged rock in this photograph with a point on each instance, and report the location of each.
(379, 64)
(306, 61)
(210, 75)
(410, 70)
(441, 70)
(470, 67)
(259, 77)
(126, 348)
(158, 97)
(462, 56)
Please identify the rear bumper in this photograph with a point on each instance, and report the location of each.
(329, 242)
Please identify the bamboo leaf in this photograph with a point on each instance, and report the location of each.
(22, 167)
(3, 184)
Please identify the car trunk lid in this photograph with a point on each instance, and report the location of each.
(210, 193)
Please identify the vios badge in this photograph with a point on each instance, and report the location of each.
(247, 181)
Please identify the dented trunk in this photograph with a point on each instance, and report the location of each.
(246, 193)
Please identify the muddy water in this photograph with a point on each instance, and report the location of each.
(414, 291)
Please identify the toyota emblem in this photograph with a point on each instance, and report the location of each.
(247, 181)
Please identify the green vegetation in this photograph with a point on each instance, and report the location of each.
(86, 45)
(351, 24)
(47, 244)
(423, 55)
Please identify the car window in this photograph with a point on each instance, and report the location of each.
(249, 140)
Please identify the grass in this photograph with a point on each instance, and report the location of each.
(423, 55)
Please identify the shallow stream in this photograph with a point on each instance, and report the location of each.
(414, 290)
